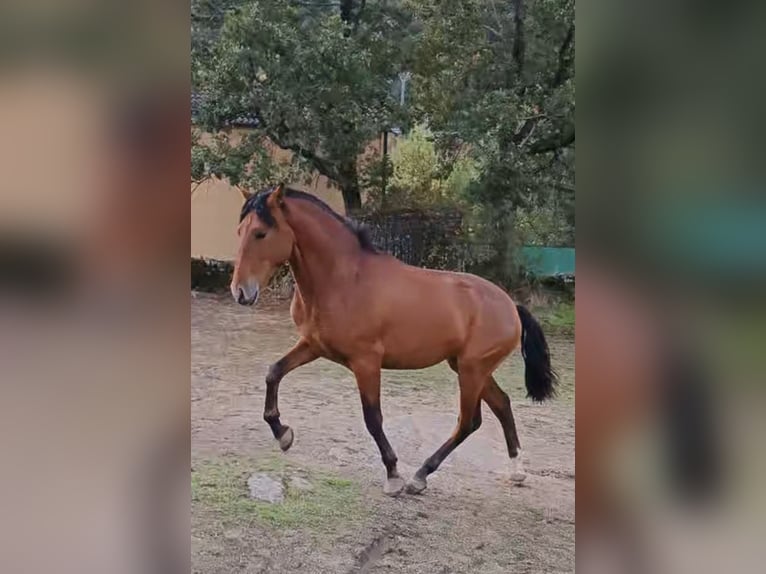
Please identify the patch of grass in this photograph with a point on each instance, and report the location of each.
(221, 486)
(559, 318)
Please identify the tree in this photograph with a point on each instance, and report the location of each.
(496, 80)
(419, 177)
(316, 77)
(207, 18)
(492, 80)
(499, 77)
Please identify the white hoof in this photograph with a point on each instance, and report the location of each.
(286, 440)
(416, 485)
(517, 469)
(393, 486)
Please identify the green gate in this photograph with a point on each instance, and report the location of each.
(546, 262)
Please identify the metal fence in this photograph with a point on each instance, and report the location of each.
(433, 239)
(436, 239)
(439, 239)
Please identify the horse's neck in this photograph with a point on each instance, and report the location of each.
(322, 260)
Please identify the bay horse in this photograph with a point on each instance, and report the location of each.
(368, 311)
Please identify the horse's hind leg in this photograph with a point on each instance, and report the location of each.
(500, 404)
(471, 383)
(477, 414)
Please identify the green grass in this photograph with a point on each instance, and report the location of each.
(559, 318)
(220, 486)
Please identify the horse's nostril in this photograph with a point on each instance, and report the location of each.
(241, 297)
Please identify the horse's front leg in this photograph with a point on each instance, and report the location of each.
(367, 373)
(299, 355)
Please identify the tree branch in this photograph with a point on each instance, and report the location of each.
(519, 46)
(346, 7)
(347, 13)
(565, 58)
(358, 18)
(318, 5)
(564, 138)
(492, 30)
(526, 128)
(498, 22)
(529, 135)
(323, 166)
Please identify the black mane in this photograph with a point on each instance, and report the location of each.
(258, 204)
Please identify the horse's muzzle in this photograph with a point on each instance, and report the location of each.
(245, 296)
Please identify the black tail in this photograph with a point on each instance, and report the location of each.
(540, 378)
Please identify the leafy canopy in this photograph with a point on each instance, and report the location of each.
(317, 84)
(493, 81)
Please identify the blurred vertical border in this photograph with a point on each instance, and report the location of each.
(671, 237)
(94, 297)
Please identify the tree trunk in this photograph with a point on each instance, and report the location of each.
(352, 198)
(349, 186)
(519, 43)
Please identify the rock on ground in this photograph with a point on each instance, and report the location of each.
(265, 488)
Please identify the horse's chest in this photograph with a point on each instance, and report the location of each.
(326, 340)
(326, 343)
(325, 330)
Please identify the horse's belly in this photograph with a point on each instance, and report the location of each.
(418, 350)
(410, 362)
(422, 333)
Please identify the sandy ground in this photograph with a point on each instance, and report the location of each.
(471, 519)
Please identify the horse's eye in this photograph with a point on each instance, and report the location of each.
(259, 234)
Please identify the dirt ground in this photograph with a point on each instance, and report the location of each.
(470, 519)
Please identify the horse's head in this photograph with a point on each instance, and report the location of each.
(265, 242)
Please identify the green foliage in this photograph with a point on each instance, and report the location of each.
(207, 18)
(513, 109)
(416, 167)
(374, 177)
(244, 161)
(418, 175)
(220, 486)
(465, 171)
(493, 81)
(558, 318)
(542, 221)
(317, 84)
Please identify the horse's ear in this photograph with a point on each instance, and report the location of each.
(277, 196)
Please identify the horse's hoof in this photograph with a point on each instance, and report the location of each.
(286, 440)
(416, 485)
(517, 470)
(393, 486)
